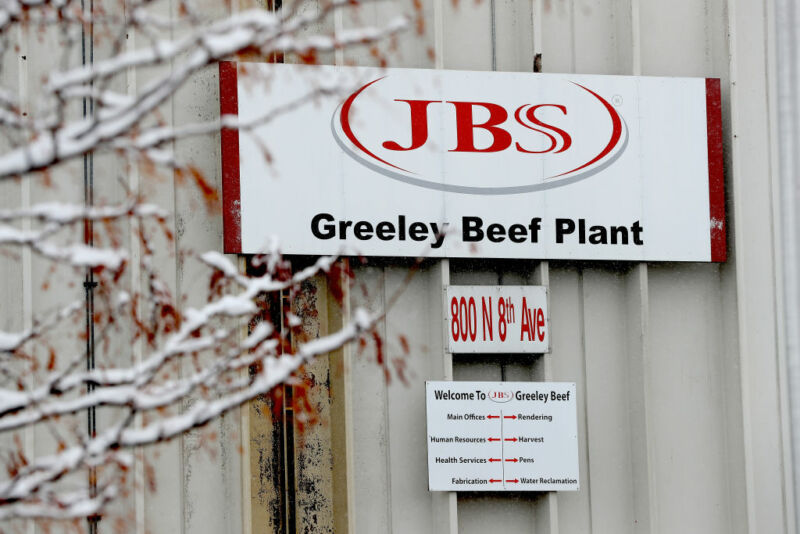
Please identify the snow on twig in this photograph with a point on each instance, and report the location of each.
(134, 390)
(274, 371)
(190, 365)
(121, 115)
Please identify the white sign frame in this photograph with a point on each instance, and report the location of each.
(511, 165)
(497, 319)
(478, 441)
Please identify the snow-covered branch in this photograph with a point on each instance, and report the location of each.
(272, 369)
(159, 367)
(118, 117)
(234, 371)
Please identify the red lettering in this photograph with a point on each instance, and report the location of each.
(501, 318)
(487, 318)
(419, 124)
(540, 323)
(465, 127)
(530, 114)
(473, 319)
(462, 310)
(454, 318)
(527, 325)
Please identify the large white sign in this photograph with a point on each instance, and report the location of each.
(410, 162)
(509, 319)
(502, 436)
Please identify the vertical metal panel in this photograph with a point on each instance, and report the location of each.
(13, 277)
(312, 428)
(567, 321)
(105, 175)
(608, 425)
(690, 364)
(445, 504)
(414, 48)
(338, 313)
(637, 297)
(673, 38)
(513, 46)
(755, 268)
(31, 287)
(389, 430)
(785, 19)
(557, 35)
(602, 36)
(212, 497)
(372, 504)
(406, 401)
(264, 472)
(686, 400)
(47, 287)
(163, 470)
(467, 35)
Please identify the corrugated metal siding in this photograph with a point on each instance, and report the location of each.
(787, 196)
(677, 369)
(679, 392)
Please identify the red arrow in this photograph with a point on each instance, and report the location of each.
(494, 459)
(493, 480)
(494, 439)
(492, 417)
(511, 439)
(509, 416)
(515, 481)
(511, 459)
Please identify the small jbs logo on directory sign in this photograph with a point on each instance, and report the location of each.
(490, 319)
(502, 436)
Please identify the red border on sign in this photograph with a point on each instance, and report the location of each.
(231, 202)
(716, 172)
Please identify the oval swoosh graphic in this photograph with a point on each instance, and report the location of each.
(618, 137)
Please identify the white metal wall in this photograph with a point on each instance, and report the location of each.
(787, 107)
(191, 484)
(680, 387)
(681, 392)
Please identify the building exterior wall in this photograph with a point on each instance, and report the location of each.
(682, 397)
(680, 387)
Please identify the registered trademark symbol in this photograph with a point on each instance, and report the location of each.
(616, 100)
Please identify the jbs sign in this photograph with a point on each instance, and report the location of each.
(480, 128)
(525, 115)
(402, 162)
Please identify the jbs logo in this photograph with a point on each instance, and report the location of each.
(583, 134)
(500, 396)
(466, 126)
